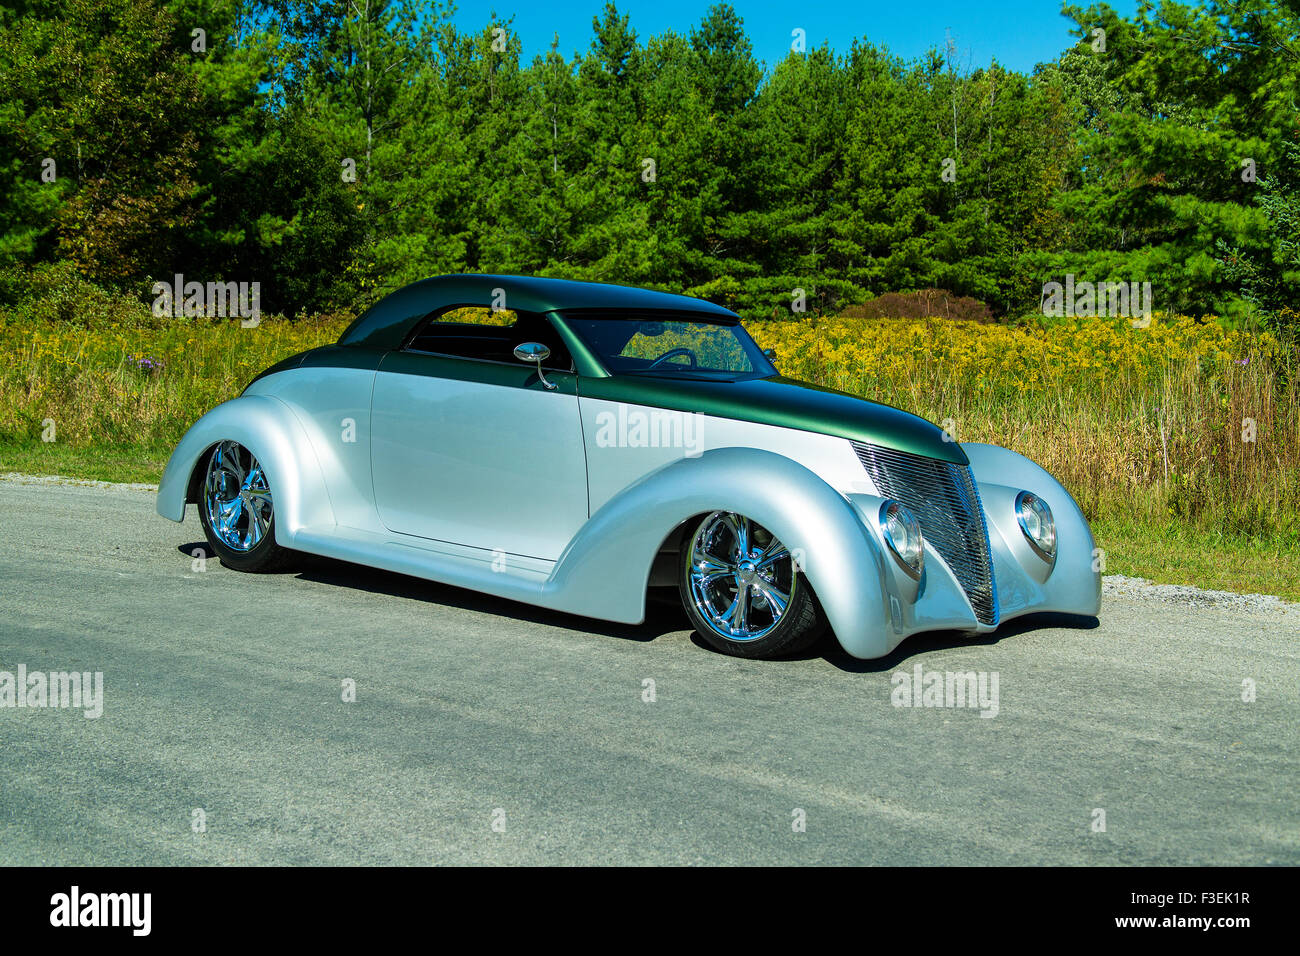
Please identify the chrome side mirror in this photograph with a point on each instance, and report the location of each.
(535, 352)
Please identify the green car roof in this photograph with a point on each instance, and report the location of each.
(387, 323)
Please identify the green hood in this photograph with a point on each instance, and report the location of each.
(786, 403)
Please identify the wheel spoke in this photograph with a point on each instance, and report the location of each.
(713, 577)
(739, 616)
(708, 569)
(229, 513)
(708, 563)
(776, 598)
(256, 525)
(261, 497)
(228, 459)
(734, 524)
(254, 478)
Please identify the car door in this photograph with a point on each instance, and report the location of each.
(469, 446)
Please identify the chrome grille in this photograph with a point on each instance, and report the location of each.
(946, 502)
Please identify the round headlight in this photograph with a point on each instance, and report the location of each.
(903, 535)
(1036, 522)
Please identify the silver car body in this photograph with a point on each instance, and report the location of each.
(512, 492)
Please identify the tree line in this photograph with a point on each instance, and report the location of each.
(334, 150)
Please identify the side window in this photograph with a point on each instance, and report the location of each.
(479, 333)
(476, 315)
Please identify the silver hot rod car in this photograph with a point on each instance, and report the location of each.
(571, 445)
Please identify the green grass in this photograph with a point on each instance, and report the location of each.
(1175, 552)
(125, 463)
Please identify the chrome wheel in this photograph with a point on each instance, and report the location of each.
(237, 497)
(742, 579)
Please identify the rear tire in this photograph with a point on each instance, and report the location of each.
(743, 591)
(237, 511)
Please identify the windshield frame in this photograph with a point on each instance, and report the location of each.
(568, 321)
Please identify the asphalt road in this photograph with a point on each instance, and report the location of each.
(488, 732)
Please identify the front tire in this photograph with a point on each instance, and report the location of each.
(237, 510)
(743, 590)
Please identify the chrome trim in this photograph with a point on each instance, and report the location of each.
(738, 569)
(946, 503)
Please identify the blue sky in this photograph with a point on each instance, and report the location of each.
(1019, 33)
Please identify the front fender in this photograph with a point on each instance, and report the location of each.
(269, 429)
(605, 569)
(1073, 583)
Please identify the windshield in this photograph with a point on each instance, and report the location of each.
(673, 346)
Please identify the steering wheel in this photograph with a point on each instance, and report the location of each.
(673, 353)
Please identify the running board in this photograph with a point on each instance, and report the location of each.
(509, 576)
